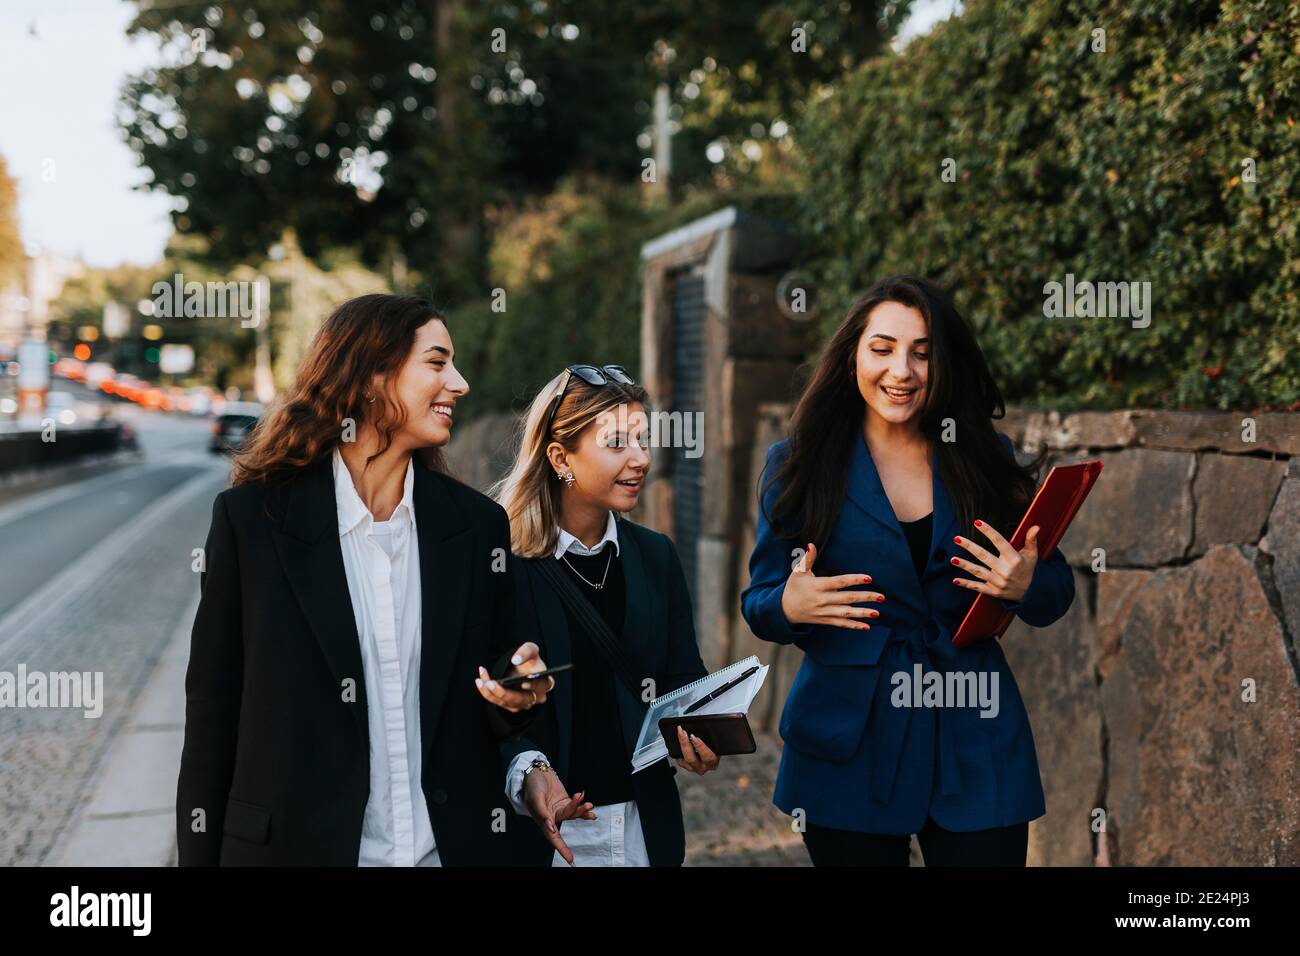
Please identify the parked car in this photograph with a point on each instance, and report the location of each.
(231, 427)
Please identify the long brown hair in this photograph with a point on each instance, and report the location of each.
(982, 480)
(530, 492)
(364, 337)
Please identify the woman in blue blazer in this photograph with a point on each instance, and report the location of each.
(895, 486)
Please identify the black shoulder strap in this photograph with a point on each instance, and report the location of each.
(587, 615)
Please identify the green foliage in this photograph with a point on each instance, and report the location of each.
(1123, 165)
(391, 125)
(570, 268)
(302, 293)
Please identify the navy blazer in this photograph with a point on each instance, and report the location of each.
(659, 637)
(853, 760)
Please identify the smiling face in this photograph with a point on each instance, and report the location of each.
(610, 463)
(892, 365)
(428, 386)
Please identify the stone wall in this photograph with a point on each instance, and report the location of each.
(1166, 703)
(482, 451)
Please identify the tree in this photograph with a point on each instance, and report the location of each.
(11, 244)
(392, 125)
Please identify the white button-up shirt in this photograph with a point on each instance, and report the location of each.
(614, 838)
(382, 561)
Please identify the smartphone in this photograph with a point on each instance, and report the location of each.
(520, 678)
(722, 733)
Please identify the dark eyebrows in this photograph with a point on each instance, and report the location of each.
(923, 340)
(437, 348)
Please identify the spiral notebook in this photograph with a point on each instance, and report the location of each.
(650, 746)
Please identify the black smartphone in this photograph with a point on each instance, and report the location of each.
(520, 678)
(724, 734)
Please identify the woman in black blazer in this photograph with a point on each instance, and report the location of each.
(582, 459)
(352, 592)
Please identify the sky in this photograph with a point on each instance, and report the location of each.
(62, 66)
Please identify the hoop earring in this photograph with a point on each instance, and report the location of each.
(370, 398)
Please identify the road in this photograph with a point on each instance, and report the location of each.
(95, 576)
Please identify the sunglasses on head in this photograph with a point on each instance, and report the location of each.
(592, 375)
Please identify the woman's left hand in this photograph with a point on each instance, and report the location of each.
(696, 755)
(1003, 575)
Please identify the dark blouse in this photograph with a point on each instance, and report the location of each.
(918, 539)
(600, 765)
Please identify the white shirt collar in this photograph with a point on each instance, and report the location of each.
(352, 511)
(567, 542)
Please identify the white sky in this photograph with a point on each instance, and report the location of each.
(60, 92)
(62, 66)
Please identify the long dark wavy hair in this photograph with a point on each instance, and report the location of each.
(982, 480)
(366, 336)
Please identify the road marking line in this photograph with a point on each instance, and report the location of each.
(48, 599)
(22, 507)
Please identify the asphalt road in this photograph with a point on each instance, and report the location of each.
(95, 577)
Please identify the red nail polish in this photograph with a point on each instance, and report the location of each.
(956, 540)
(954, 560)
(979, 524)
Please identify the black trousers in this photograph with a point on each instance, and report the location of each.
(999, 846)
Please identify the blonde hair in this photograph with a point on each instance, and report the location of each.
(530, 491)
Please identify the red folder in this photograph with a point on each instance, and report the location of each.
(1053, 508)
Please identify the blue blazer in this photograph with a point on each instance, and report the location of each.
(852, 759)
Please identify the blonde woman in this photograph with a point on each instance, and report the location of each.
(609, 596)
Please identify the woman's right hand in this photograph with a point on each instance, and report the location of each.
(550, 805)
(808, 599)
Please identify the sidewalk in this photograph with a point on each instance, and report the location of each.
(130, 816)
(730, 818)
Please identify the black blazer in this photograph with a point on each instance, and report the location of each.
(659, 635)
(274, 756)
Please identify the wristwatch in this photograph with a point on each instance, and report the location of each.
(537, 764)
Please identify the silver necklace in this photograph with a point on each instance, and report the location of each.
(608, 562)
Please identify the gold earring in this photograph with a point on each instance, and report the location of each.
(370, 398)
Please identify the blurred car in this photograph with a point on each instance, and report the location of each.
(232, 426)
(200, 400)
(74, 369)
(62, 407)
(129, 437)
(97, 373)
